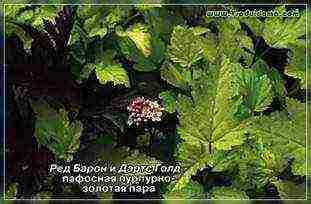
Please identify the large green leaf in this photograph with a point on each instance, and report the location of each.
(289, 33)
(206, 124)
(209, 120)
(231, 40)
(55, 131)
(269, 143)
(284, 134)
(280, 32)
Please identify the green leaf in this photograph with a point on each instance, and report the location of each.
(106, 70)
(54, 130)
(278, 88)
(145, 65)
(252, 162)
(137, 45)
(206, 124)
(35, 17)
(11, 191)
(169, 99)
(86, 71)
(280, 32)
(172, 75)
(129, 49)
(181, 186)
(119, 120)
(158, 49)
(186, 47)
(285, 134)
(98, 19)
(299, 166)
(298, 64)
(255, 90)
(210, 51)
(94, 26)
(10, 14)
(232, 46)
(140, 36)
(12, 10)
(114, 73)
(104, 140)
(199, 30)
(101, 32)
(210, 118)
(234, 138)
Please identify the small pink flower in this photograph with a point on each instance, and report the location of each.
(143, 110)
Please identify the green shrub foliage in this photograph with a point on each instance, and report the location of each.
(236, 118)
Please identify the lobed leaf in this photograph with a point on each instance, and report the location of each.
(285, 134)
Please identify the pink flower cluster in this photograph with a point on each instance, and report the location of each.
(143, 110)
